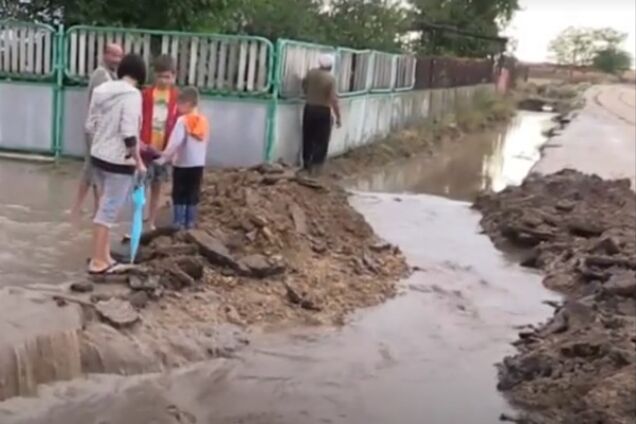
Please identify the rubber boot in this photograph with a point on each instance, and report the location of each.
(179, 216)
(191, 216)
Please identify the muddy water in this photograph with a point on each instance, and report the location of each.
(491, 160)
(426, 356)
(39, 243)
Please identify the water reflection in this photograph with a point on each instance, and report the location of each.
(460, 170)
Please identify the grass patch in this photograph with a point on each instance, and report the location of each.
(485, 108)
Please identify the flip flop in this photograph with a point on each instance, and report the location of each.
(110, 269)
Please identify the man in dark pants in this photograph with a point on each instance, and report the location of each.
(321, 100)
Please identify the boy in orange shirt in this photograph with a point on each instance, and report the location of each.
(159, 118)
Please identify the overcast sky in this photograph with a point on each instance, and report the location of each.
(540, 21)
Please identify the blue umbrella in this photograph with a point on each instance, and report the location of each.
(139, 200)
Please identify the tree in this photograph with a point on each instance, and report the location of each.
(366, 24)
(273, 19)
(435, 19)
(157, 14)
(579, 46)
(612, 61)
(362, 24)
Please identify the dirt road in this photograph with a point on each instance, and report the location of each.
(601, 140)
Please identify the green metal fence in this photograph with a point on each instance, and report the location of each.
(231, 66)
(216, 64)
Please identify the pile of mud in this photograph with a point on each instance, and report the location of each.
(581, 230)
(273, 248)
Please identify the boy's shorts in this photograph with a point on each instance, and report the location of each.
(158, 174)
(115, 190)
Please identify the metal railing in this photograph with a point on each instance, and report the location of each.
(439, 72)
(353, 71)
(356, 71)
(294, 61)
(405, 72)
(27, 50)
(223, 64)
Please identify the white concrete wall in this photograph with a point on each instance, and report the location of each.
(26, 116)
(238, 128)
(366, 119)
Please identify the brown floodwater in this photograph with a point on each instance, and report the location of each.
(40, 245)
(491, 160)
(428, 355)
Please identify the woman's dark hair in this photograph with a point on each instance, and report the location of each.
(132, 66)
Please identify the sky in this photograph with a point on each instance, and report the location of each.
(540, 21)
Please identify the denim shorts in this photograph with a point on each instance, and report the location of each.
(115, 190)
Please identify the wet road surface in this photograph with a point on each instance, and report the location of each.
(426, 356)
(603, 129)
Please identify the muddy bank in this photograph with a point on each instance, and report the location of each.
(581, 231)
(271, 249)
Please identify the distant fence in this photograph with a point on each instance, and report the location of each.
(443, 72)
(356, 71)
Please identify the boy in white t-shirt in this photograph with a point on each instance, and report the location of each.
(187, 149)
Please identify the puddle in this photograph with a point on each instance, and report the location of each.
(492, 160)
(43, 247)
(427, 355)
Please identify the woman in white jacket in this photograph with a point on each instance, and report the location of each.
(113, 123)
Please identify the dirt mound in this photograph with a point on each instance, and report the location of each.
(581, 230)
(273, 248)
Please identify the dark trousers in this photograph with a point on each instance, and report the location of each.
(316, 134)
(186, 185)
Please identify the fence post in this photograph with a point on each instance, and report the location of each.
(58, 91)
(272, 107)
(370, 72)
(393, 72)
